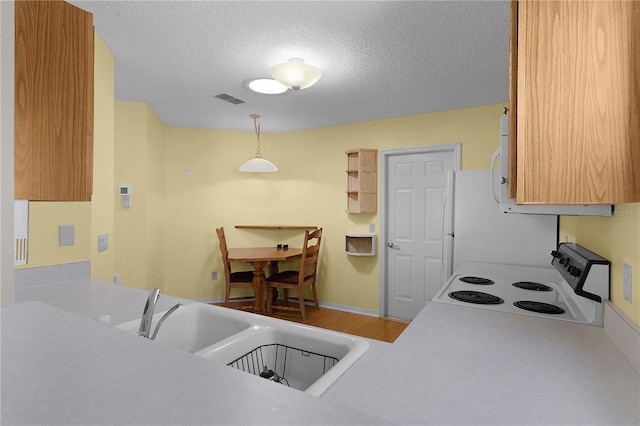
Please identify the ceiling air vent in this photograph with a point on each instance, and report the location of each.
(228, 98)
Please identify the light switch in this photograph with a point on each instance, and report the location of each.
(66, 235)
(103, 242)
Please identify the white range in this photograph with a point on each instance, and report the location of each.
(573, 290)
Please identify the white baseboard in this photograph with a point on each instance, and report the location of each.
(352, 309)
(624, 333)
(344, 308)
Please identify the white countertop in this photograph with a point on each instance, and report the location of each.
(453, 365)
(459, 365)
(63, 369)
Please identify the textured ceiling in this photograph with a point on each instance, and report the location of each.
(379, 59)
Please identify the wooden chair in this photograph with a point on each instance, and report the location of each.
(298, 280)
(241, 279)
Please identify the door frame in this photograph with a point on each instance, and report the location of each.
(456, 148)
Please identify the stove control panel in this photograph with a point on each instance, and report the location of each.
(586, 272)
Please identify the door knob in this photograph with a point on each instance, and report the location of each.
(393, 246)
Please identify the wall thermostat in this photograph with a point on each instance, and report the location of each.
(125, 195)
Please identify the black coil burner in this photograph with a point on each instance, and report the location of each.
(476, 280)
(539, 307)
(477, 297)
(528, 285)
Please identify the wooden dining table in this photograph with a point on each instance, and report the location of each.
(259, 257)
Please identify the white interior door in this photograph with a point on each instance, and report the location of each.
(415, 183)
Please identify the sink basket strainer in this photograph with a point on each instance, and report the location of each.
(285, 364)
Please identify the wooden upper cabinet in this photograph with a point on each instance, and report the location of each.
(576, 101)
(53, 101)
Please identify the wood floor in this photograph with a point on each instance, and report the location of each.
(385, 329)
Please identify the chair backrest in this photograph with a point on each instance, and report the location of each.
(224, 251)
(310, 252)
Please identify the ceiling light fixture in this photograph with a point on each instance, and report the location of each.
(295, 74)
(258, 164)
(267, 86)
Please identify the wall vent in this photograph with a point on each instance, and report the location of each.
(228, 98)
(21, 230)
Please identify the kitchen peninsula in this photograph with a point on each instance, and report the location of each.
(453, 365)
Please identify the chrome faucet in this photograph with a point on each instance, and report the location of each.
(147, 315)
(164, 317)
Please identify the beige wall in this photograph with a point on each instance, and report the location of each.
(309, 189)
(103, 199)
(139, 162)
(44, 220)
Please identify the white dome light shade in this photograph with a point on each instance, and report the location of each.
(258, 165)
(267, 86)
(295, 74)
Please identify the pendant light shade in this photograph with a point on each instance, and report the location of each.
(258, 164)
(295, 74)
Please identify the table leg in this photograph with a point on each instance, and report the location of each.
(273, 269)
(258, 285)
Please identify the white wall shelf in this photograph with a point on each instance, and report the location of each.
(360, 244)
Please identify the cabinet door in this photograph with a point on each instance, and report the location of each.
(513, 100)
(53, 101)
(578, 102)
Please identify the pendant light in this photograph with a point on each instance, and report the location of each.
(258, 164)
(295, 74)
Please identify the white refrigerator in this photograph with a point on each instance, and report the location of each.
(476, 230)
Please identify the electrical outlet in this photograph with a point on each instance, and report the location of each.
(627, 280)
(116, 278)
(214, 275)
(372, 227)
(103, 242)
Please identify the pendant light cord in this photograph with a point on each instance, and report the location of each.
(256, 126)
(257, 163)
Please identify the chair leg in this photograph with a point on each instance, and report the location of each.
(315, 295)
(227, 295)
(301, 304)
(269, 301)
